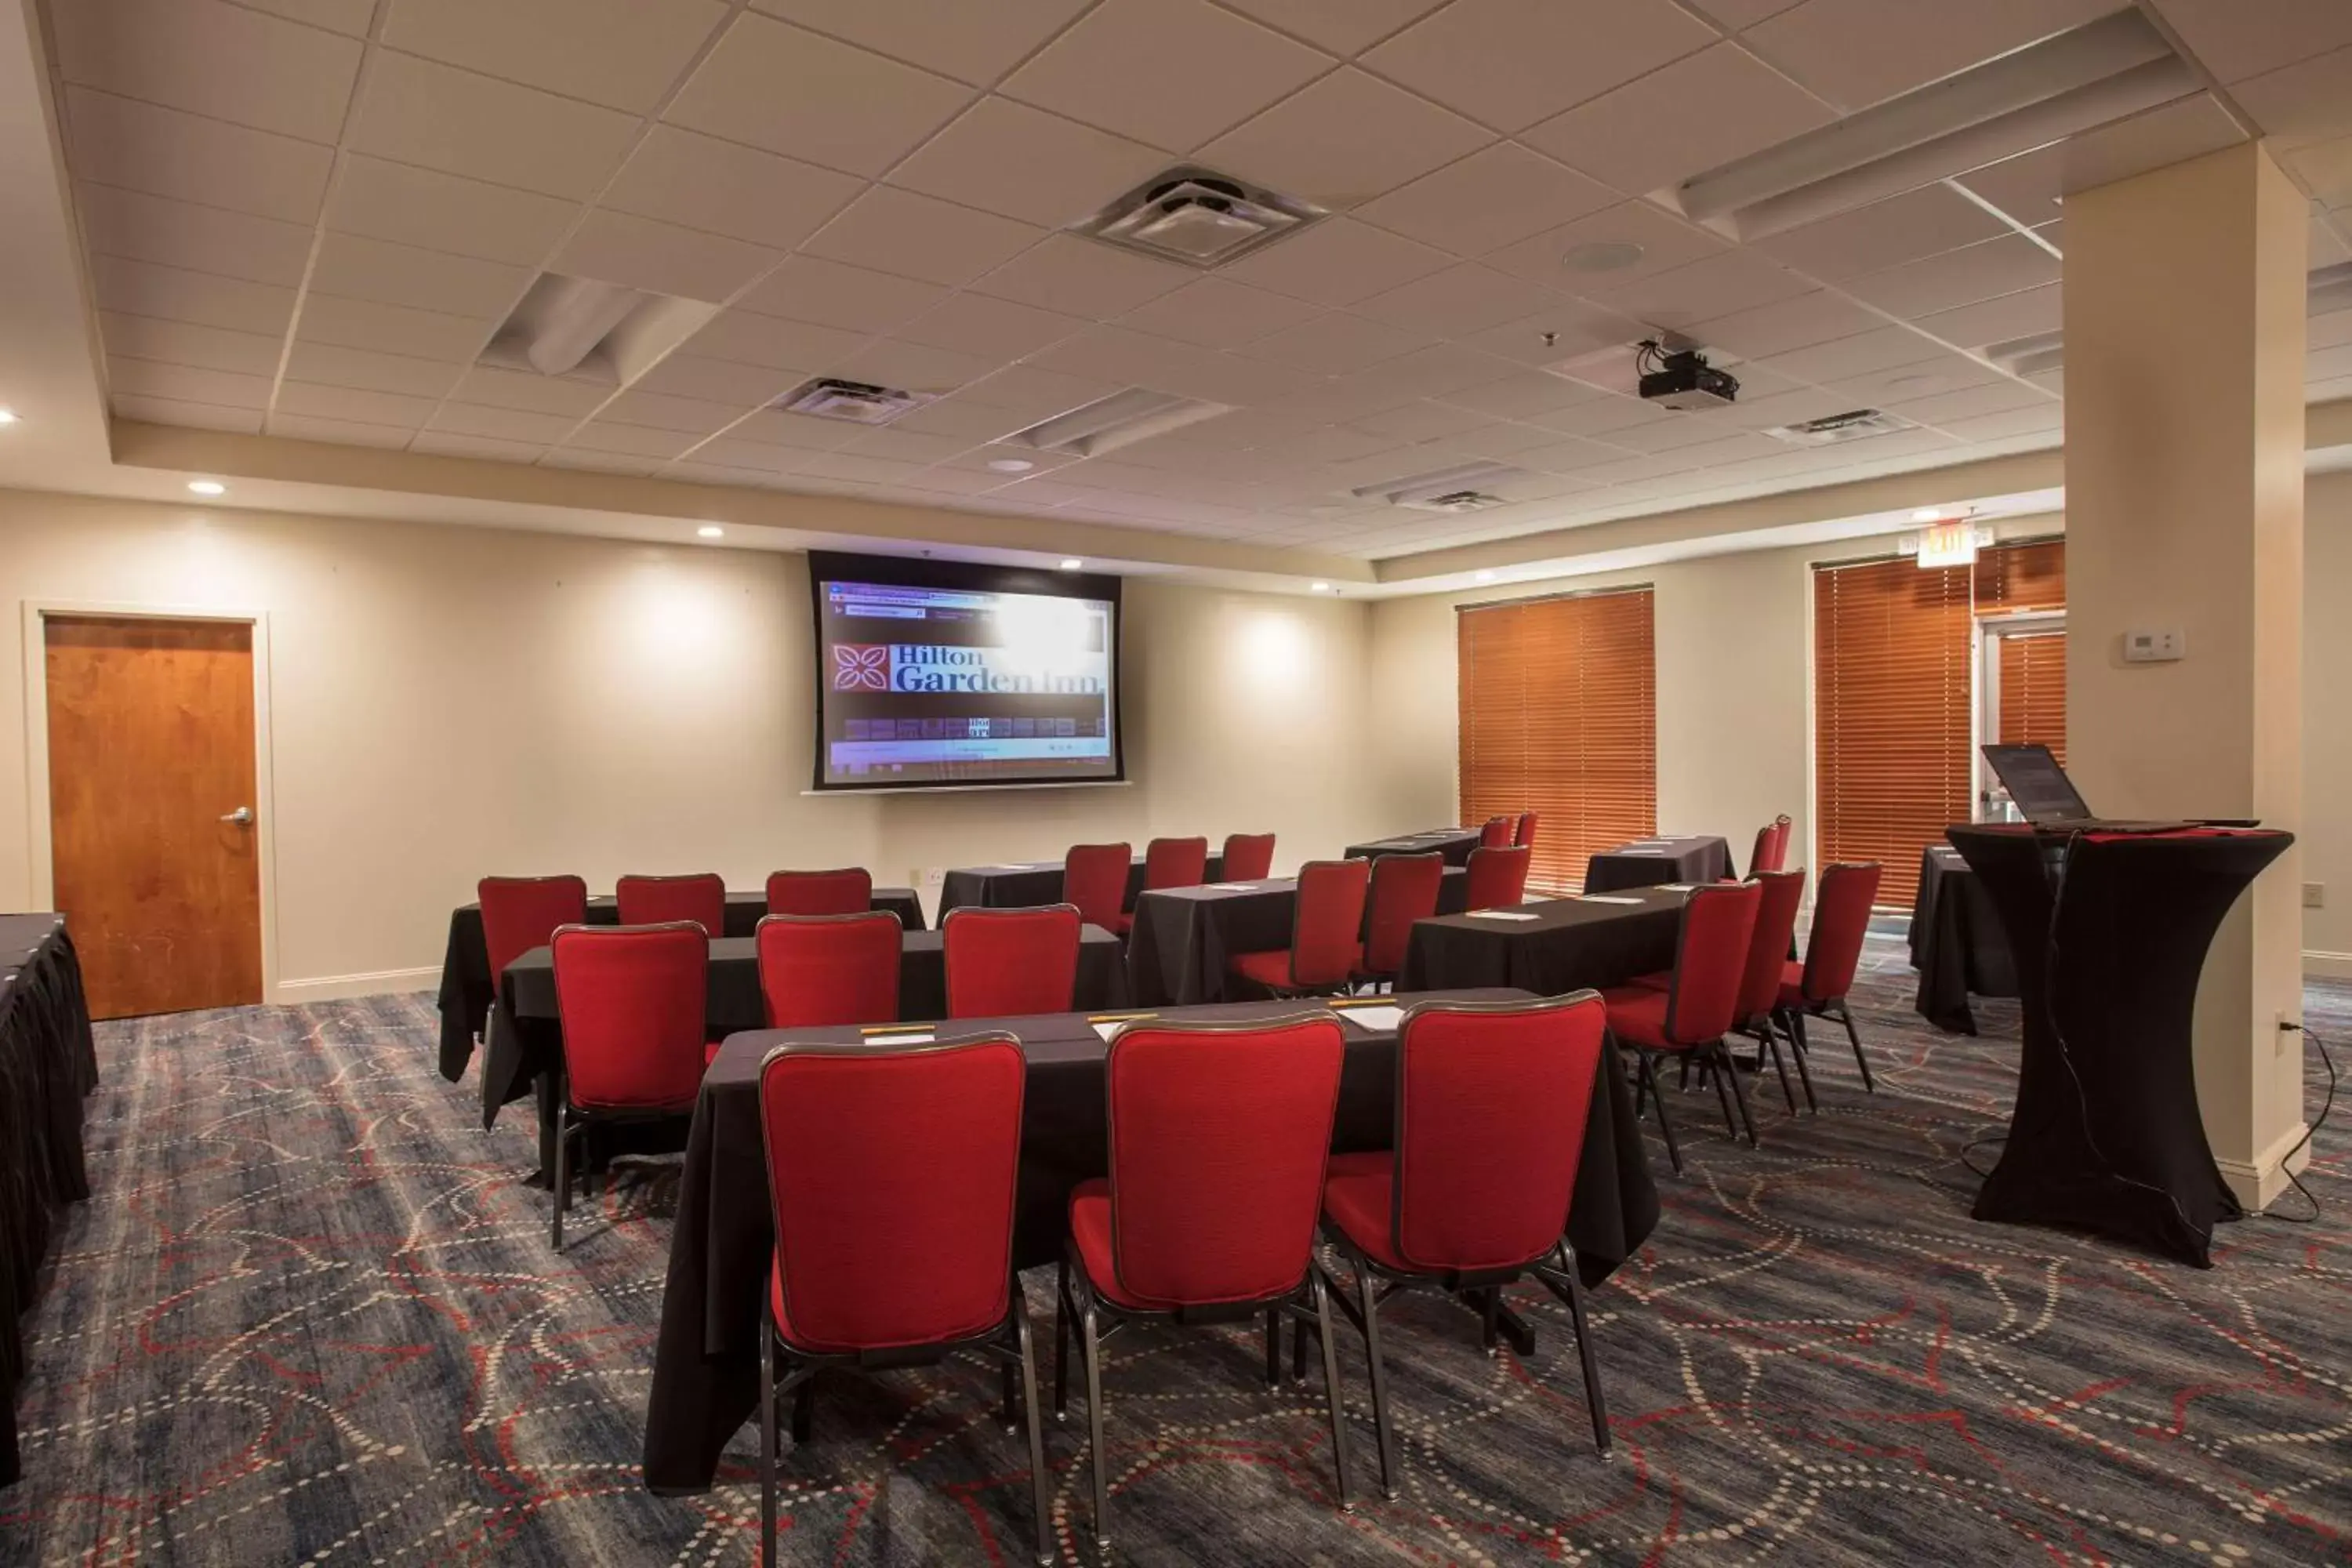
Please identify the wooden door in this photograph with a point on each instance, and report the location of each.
(151, 747)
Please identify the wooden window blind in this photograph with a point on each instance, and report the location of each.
(1559, 716)
(2033, 691)
(2022, 577)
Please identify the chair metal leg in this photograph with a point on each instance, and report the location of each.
(1063, 1314)
(1766, 1045)
(1298, 1352)
(1008, 1396)
(1657, 1095)
(1804, 1073)
(1331, 1384)
(1273, 1348)
(1369, 1306)
(1490, 1319)
(1595, 1406)
(767, 1443)
(1722, 1096)
(1098, 1461)
(805, 1408)
(1038, 1490)
(563, 1175)
(1845, 1016)
(1739, 1091)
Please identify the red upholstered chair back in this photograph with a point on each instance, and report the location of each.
(1173, 863)
(519, 913)
(1219, 1136)
(631, 1001)
(1094, 879)
(1403, 890)
(1768, 945)
(1491, 1104)
(1771, 847)
(830, 969)
(1249, 857)
(1498, 877)
(1005, 963)
(1524, 836)
(656, 901)
(848, 891)
(1780, 830)
(1498, 831)
(1841, 920)
(1710, 961)
(891, 1176)
(1329, 916)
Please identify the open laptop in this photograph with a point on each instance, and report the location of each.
(2048, 798)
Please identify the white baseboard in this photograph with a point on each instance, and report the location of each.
(337, 987)
(2327, 966)
(2258, 1182)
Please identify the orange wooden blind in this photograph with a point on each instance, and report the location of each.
(1559, 716)
(2033, 691)
(2022, 577)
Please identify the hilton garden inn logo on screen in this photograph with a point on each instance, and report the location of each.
(923, 667)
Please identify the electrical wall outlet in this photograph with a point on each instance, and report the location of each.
(2315, 894)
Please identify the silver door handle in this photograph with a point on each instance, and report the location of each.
(242, 816)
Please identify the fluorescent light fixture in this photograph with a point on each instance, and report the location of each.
(563, 319)
(8, 416)
(1072, 565)
(711, 530)
(1119, 420)
(208, 486)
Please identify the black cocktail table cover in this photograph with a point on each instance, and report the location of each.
(1183, 938)
(468, 986)
(1646, 862)
(1957, 943)
(1453, 843)
(2107, 1134)
(47, 1065)
(705, 1360)
(1024, 885)
(1571, 943)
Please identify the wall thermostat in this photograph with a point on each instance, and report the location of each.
(2153, 647)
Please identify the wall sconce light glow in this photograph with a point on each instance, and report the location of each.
(1318, 588)
(1011, 465)
(208, 486)
(8, 416)
(1072, 565)
(711, 530)
(1926, 514)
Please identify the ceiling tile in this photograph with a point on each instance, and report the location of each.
(572, 397)
(1785, 325)
(1699, 112)
(720, 187)
(117, 141)
(1082, 277)
(1996, 397)
(1490, 199)
(503, 423)
(346, 403)
(1522, 395)
(660, 258)
(597, 461)
(2047, 418)
(903, 446)
(1856, 52)
(1342, 27)
(961, 417)
(1337, 344)
(340, 432)
(622, 53)
(140, 288)
(1173, 73)
(446, 444)
(1925, 378)
(1735, 280)
(417, 111)
(184, 342)
(758, 455)
(2309, 100)
(662, 411)
(1338, 261)
(1736, 15)
(791, 91)
(1217, 313)
(919, 237)
(1122, 358)
(1344, 140)
(390, 274)
(915, 366)
(1462, 300)
(991, 328)
(434, 211)
(367, 371)
(1958, 278)
(1032, 393)
(1884, 234)
(350, 17)
(632, 441)
(747, 338)
(1858, 355)
(848, 299)
(1665, 242)
(971, 43)
(774, 427)
(717, 380)
(1562, 330)
(392, 329)
(1420, 421)
(203, 239)
(220, 61)
(1006, 157)
(1437, 371)
(1998, 320)
(186, 384)
(1510, 63)
(2236, 40)
(2027, 188)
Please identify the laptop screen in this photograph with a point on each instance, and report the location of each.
(2037, 784)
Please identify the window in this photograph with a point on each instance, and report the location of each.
(1559, 716)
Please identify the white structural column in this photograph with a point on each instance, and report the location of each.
(2184, 368)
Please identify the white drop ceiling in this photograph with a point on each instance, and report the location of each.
(306, 218)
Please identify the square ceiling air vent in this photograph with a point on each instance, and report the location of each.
(1855, 424)
(857, 402)
(1454, 490)
(1198, 217)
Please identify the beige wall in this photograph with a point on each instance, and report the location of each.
(2327, 722)
(446, 702)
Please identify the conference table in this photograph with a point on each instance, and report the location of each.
(468, 986)
(706, 1357)
(1453, 843)
(1562, 944)
(1643, 862)
(1957, 943)
(526, 1042)
(48, 1064)
(1182, 939)
(1025, 884)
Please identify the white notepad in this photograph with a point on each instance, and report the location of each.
(920, 1038)
(1229, 887)
(1373, 1020)
(1677, 887)
(1604, 898)
(1501, 915)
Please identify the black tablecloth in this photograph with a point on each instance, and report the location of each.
(1645, 862)
(2106, 1133)
(705, 1360)
(1453, 843)
(1957, 943)
(1569, 945)
(47, 1065)
(1026, 884)
(1183, 938)
(468, 985)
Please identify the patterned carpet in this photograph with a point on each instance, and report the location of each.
(310, 1317)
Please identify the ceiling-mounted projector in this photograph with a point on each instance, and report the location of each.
(1683, 379)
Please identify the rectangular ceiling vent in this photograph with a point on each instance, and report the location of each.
(1119, 420)
(1198, 217)
(588, 331)
(1830, 430)
(857, 402)
(2331, 289)
(2029, 355)
(1454, 490)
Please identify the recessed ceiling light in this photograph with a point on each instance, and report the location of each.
(1319, 587)
(208, 486)
(8, 416)
(1926, 514)
(711, 530)
(1072, 565)
(1011, 465)
(1602, 255)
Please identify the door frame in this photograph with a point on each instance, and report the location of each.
(42, 850)
(1984, 674)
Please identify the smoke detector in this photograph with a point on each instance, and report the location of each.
(1830, 430)
(1198, 218)
(857, 401)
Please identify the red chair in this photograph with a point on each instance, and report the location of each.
(1499, 832)
(630, 1002)
(519, 913)
(1005, 963)
(1490, 1108)
(1403, 890)
(820, 970)
(1249, 857)
(1219, 1135)
(1818, 987)
(1771, 847)
(1094, 881)
(1498, 877)
(891, 1175)
(700, 897)
(1697, 1008)
(1175, 863)
(1324, 953)
(1524, 836)
(848, 891)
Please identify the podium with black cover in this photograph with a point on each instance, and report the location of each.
(2109, 932)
